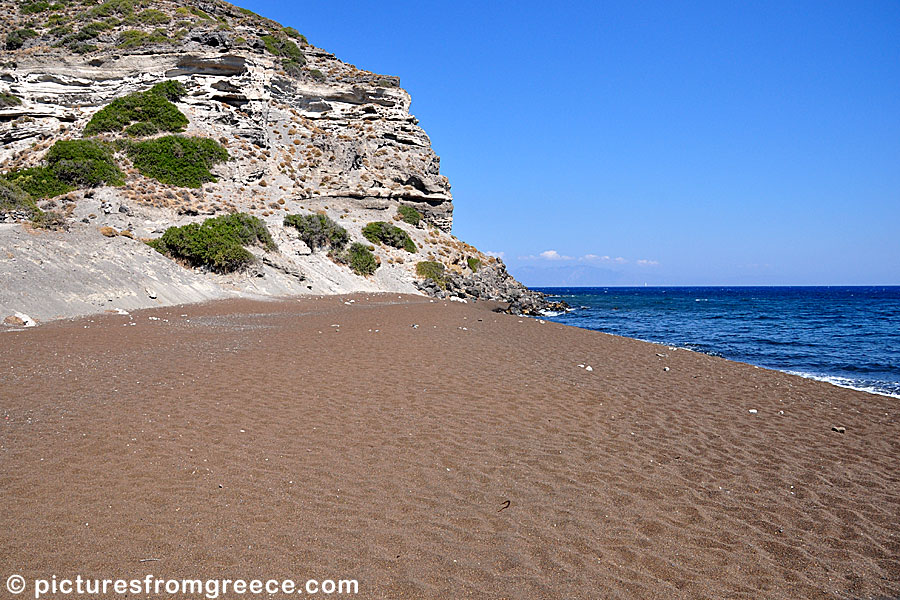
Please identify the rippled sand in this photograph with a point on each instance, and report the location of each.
(317, 439)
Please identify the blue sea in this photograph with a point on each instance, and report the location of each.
(848, 336)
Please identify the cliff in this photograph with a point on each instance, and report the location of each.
(297, 132)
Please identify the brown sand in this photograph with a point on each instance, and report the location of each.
(253, 439)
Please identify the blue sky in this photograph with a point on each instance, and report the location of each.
(667, 143)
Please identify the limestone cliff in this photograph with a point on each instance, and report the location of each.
(304, 132)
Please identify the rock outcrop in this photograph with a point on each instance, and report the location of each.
(304, 132)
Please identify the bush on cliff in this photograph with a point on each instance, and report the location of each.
(283, 47)
(318, 231)
(177, 160)
(84, 163)
(390, 235)
(135, 38)
(78, 41)
(7, 100)
(39, 182)
(409, 215)
(293, 59)
(291, 32)
(473, 263)
(429, 269)
(153, 109)
(121, 8)
(71, 164)
(16, 39)
(358, 257)
(33, 8)
(14, 199)
(151, 16)
(217, 243)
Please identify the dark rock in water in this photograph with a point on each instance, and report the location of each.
(491, 282)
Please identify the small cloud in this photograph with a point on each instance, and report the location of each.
(500, 255)
(553, 255)
(606, 259)
(647, 263)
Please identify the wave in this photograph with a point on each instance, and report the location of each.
(846, 382)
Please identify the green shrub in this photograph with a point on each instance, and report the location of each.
(390, 235)
(39, 182)
(135, 38)
(473, 263)
(61, 30)
(151, 16)
(14, 199)
(184, 11)
(88, 33)
(217, 243)
(292, 68)
(56, 20)
(409, 214)
(49, 220)
(169, 89)
(84, 48)
(249, 230)
(142, 129)
(116, 7)
(32, 8)
(317, 75)
(177, 160)
(7, 99)
(318, 231)
(291, 32)
(359, 257)
(84, 163)
(153, 107)
(283, 47)
(429, 269)
(16, 39)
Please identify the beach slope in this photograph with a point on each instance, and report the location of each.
(435, 450)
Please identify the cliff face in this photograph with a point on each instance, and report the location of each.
(305, 133)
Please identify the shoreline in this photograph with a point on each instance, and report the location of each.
(406, 295)
(377, 438)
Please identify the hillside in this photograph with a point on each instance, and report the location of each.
(122, 119)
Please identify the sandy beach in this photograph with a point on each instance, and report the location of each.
(435, 450)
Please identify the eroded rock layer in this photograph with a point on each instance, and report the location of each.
(305, 133)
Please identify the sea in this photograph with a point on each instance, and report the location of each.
(847, 336)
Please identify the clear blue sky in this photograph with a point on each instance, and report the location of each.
(729, 143)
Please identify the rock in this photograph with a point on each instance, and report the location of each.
(839, 429)
(363, 153)
(19, 320)
(752, 411)
(666, 369)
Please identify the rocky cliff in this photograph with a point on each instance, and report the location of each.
(303, 133)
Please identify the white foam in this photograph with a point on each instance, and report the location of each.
(844, 382)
